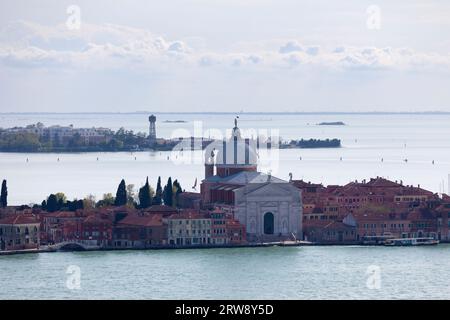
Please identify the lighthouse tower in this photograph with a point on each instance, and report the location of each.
(152, 129)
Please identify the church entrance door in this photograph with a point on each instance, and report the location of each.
(268, 223)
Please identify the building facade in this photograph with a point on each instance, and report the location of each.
(189, 228)
(19, 232)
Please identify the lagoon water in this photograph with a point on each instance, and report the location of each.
(267, 273)
(335, 272)
(366, 139)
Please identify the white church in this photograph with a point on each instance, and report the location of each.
(269, 207)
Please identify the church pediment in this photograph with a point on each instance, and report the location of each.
(268, 190)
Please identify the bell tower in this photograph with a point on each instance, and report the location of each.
(152, 129)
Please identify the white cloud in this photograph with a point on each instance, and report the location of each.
(110, 67)
(25, 44)
(291, 46)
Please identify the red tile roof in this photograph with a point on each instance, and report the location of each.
(160, 208)
(19, 219)
(188, 214)
(142, 220)
(190, 195)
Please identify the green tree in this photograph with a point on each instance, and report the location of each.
(89, 202)
(62, 200)
(168, 193)
(107, 201)
(4, 195)
(76, 141)
(52, 203)
(121, 195)
(145, 196)
(176, 191)
(131, 195)
(157, 200)
(20, 141)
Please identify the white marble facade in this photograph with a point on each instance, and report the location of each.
(270, 209)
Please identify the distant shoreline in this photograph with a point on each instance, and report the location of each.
(204, 247)
(241, 113)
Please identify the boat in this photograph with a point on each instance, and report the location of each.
(411, 242)
(376, 240)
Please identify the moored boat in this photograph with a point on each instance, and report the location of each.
(411, 242)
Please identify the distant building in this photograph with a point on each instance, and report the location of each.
(19, 232)
(189, 228)
(138, 230)
(219, 227)
(189, 200)
(64, 134)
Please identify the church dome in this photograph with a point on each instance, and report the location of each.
(233, 155)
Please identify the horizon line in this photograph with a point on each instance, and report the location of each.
(240, 112)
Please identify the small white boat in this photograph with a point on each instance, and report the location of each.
(411, 242)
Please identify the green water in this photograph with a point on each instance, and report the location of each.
(335, 272)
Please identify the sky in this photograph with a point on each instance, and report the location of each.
(224, 55)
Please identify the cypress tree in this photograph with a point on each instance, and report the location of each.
(168, 193)
(121, 195)
(52, 203)
(157, 200)
(4, 195)
(145, 197)
(176, 191)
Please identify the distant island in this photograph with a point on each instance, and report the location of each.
(312, 144)
(336, 123)
(39, 138)
(175, 121)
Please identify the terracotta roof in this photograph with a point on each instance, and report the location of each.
(93, 218)
(303, 184)
(62, 214)
(160, 208)
(381, 182)
(190, 195)
(144, 221)
(19, 219)
(188, 214)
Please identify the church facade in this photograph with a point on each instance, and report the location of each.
(269, 207)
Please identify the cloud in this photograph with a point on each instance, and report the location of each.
(107, 46)
(291, 46)
(313, 50)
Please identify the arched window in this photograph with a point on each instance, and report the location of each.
(268, 223)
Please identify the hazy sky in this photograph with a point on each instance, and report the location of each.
(224, 55)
